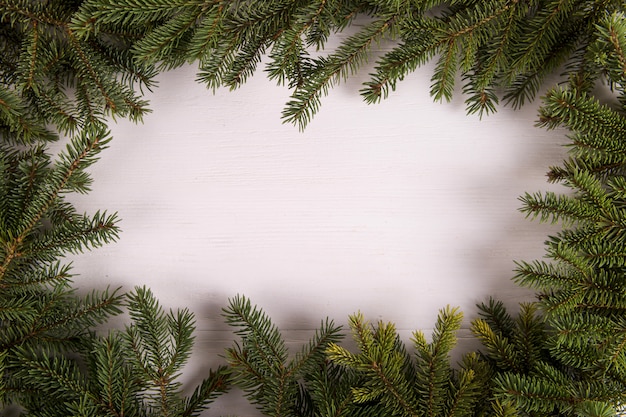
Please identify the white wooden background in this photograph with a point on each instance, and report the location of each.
(394, 210)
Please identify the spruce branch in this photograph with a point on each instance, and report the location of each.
(500, 349)
(609, 50)
(328, 71)
(21, 128)
(540, 36)
(471, 380)
(52, 104)
(94, 14)
(79, 155)
(100, 378)
(252, 324)
(161, 344)
(582, 290)
(312, 26)
(276, 384)
(259, 362)
(482, 98)
(558, 358)
(55, 376)
(24, 12)
(578, 111)
(551, 207)
(166, 44)
(59, 317)
(111, 379)
(433, 359)
(215, 384)
(394, 65)
(426, 385)
(535, 394)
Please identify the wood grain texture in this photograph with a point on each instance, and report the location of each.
(395, 209)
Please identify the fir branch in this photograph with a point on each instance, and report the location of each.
(496, 316)
(607, 255)
(500, 349)
(245, 62)
(540, 36)
(553, 208)
(93, 14)
(131, 71)
(55, 105)
(326, 72)
(12, 309)
(166, 43)
(79, 155)
(216, 64)
(609, 50)
(161, 344)
(58, 376)
(88, 71)
(50, 324)
(115, 386)
(362, 334)
(524, 87)
(591, 145)
(89, 110)
(312, 26)
(387, 367)
(530, 337)
(535, 394)
(33, 46)
(31, 279)
(110, 381)
(468, 392)
(470, 37)
(25, 12)
(497, 58)
(391, 381)
(395, 64)
(314, 353)
(580, 112)
(342, 356)
(445, 72)
(305, 385)
(253, 325)
(260, 362)
(561, 301)
(616, 358)
(13, 112)
(545, 276)
(81, 234)
(207, 33)
(148, 335)
(434, 357)
(212, 386)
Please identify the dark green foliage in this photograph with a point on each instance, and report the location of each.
(53, 84)
(101, 49)
(326, 379)
(281, 384)
(39, 311)
(50, 77)
(529, 377)
(133, 373)
(394, 382)
(68, 67)
(582, 291)
(499, 49)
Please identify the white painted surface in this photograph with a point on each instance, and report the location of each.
(395, 209)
